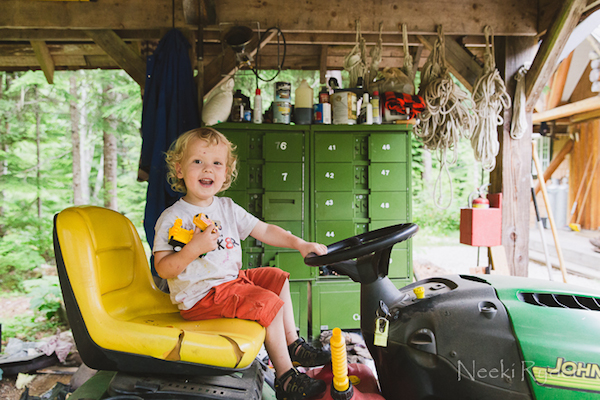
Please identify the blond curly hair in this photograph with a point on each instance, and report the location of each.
(177, 150)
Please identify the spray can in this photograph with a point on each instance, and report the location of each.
(257, 117)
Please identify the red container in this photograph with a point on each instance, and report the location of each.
(482, 227)
(366, 388)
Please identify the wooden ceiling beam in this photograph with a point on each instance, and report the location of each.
(123, 55)
(552, 46)
(44, 59)
(460, 17)
(105, 14)
(568, 110)
(72, 35)
(558, 83)
(461, 63)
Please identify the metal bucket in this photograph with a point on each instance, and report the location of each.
(281, 112)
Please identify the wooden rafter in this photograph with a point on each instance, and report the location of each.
(44, 59)
(558, 83)
(323, 64)
(552, 46)
(224, 66)
(568, 110)
(461, 62)
(119, 51)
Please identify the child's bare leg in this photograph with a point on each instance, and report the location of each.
(276, 345)
(288, 314)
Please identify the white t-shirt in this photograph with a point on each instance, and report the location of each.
(218, 266)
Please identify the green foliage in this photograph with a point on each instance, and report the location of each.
(36, 157)
(48, 311)
(46, 297)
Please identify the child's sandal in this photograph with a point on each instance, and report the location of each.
(306, 355)
(297, 386)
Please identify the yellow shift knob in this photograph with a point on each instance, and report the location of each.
(339, 361)
(419, 292)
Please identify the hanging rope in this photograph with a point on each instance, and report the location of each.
(407, 68)
(518, 125)
(376, 55)
(490, 97)
(447, 116)
(353, 62)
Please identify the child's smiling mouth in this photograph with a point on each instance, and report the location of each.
(206, 182)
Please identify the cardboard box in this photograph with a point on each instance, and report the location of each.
(482, 227)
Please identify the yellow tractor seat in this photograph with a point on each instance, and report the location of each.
(120, 320)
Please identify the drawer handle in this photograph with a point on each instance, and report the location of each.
(282, 201)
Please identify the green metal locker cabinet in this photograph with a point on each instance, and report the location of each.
(271, 185)
(323, 183)
(360, 182)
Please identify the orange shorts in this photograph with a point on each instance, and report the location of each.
(253, 295)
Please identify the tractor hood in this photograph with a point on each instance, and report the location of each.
(556, 326)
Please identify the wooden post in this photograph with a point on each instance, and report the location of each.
(513, 163)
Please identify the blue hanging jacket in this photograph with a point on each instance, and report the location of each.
(170, 108)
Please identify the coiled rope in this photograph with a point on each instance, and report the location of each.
(376, 56)
(355, 61)
(518, 125)
(490, 97)
(407, 67)
(447, 117)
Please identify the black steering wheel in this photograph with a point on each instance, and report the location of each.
(376, 244)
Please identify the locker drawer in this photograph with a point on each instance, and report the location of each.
(334, 206)
(390, 147)
(292, 262)
(334, 177)
(374, 225)
(299, 295)
(387, 177)
(288, 147)
(332, 147)
(335, 304)
(240, 140)
(241, 181)
(328, 232)
(398, 267)
(283, 206)
(294, 227)
(283, 176)
(388, 206)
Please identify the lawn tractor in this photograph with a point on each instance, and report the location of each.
(470, 337)
(452, 337)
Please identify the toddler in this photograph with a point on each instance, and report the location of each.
(201, 164)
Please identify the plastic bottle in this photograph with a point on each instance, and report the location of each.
(375, 103)
(366, 111)
(257, 118)
(303, 107)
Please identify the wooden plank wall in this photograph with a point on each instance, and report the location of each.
(587, 145)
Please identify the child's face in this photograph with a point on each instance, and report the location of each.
(203, 170)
